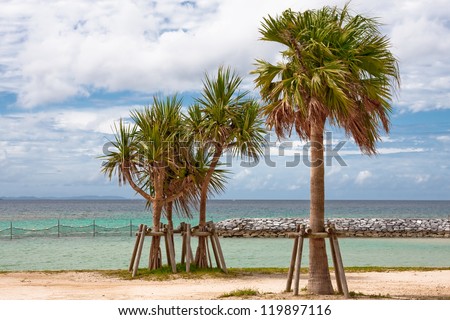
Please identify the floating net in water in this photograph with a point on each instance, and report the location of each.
(61, 230)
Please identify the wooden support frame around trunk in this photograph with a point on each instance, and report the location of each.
(211, 235)
(296, 258)
(186, 254)
(145, 231)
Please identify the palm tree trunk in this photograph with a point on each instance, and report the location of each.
(319, 275)
(201, 258)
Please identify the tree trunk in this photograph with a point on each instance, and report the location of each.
(155, 260)
(155, 253)
(201, 259)
(319, 276)
(169, 215)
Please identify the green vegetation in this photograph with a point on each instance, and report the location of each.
(263, 270)
(356, 295)
(240, 293)
(392, 269)
(165, 272)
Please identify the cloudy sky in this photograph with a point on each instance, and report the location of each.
(69, 69)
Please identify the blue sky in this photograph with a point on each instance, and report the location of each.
(70, 69)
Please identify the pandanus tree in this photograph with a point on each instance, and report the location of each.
(336, 68)
(151, 155)
(194, 167)
(224, 119)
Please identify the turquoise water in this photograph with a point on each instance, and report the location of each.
(26, 210)
(38, 250)
(115, 252)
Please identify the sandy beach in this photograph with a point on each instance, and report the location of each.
(97, 286)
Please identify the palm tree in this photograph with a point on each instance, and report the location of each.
(337, 68)
(151, 157)
(224, 119)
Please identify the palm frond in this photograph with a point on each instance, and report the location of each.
(335, 65)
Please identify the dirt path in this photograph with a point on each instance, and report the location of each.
(93, 285)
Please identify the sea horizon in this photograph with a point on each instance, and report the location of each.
(112, 198)
(118, 208)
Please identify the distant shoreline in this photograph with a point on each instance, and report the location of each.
(93, 198)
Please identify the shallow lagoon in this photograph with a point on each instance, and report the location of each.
(81, 253)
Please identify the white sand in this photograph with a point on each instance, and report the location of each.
(92, 285)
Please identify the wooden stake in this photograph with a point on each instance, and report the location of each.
(136, 245)
(171, 250)
(216, 254)
(183, 242)
(166, 243)
(139, 250)
(208, 253)
(220, 252)
(292, 264)
(217, 249)
(335, 264)
(298, 263)
(340, 266)
(188, 248)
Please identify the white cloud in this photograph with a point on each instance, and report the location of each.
(47, 152)
(399, 150)
(421, 178)
(387, 139)
(242, 175)
(72, 48)
(420, 34)
(56, 50)
(61, 49)
(251, 180)
(443, 138)
(90, 120)
(334, 170)
(55, 153)
(362, 177)
(345, 178)
(383, 151)
(418, 178)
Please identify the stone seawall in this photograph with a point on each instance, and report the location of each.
(346, 227)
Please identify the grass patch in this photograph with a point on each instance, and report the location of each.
(393, 269)
(347, 269)
(240, 293)
(165, 273)
(265, 270)
(355, 295)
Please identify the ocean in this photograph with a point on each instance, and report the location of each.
(99, 234)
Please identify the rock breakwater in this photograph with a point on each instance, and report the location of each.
(346, 227)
